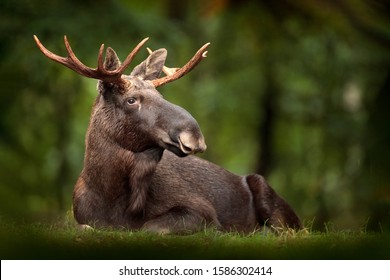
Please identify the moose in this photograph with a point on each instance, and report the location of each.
(140, 171)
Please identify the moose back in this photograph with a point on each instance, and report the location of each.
(139, 168)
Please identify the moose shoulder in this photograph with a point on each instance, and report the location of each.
(139, 168)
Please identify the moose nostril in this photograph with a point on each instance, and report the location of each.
(186, 149)
(185, 145)
(190, 144)
(187, 142)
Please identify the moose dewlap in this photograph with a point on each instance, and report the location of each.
(139, 169)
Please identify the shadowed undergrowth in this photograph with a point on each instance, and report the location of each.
(64, 241)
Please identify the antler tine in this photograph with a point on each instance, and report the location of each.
(80, 67)
(72, 62)
(100, 58)
(130, 57)
(52, 56)
(194, 61)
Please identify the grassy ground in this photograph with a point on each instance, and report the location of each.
(64, 241)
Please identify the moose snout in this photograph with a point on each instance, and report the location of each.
(179, 132)
(190, 144)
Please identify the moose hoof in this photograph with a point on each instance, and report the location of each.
(156, 229)
(83, 227)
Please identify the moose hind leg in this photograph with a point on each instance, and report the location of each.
(271, 209)
(178, 220)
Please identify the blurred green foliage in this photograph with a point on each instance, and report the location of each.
(295, 90)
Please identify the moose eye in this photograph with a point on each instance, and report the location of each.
(131, 101)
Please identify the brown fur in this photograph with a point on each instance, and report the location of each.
(137, 172)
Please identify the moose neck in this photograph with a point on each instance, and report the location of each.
(115, 168)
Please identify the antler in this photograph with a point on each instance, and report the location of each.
(72, 62)
(176, 73)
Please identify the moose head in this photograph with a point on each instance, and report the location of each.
(129, 109)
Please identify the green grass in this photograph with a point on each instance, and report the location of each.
(64, 241)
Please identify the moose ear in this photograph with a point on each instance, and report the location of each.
(111, 62)
(151, 68)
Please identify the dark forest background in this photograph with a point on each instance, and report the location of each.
(298, 91)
